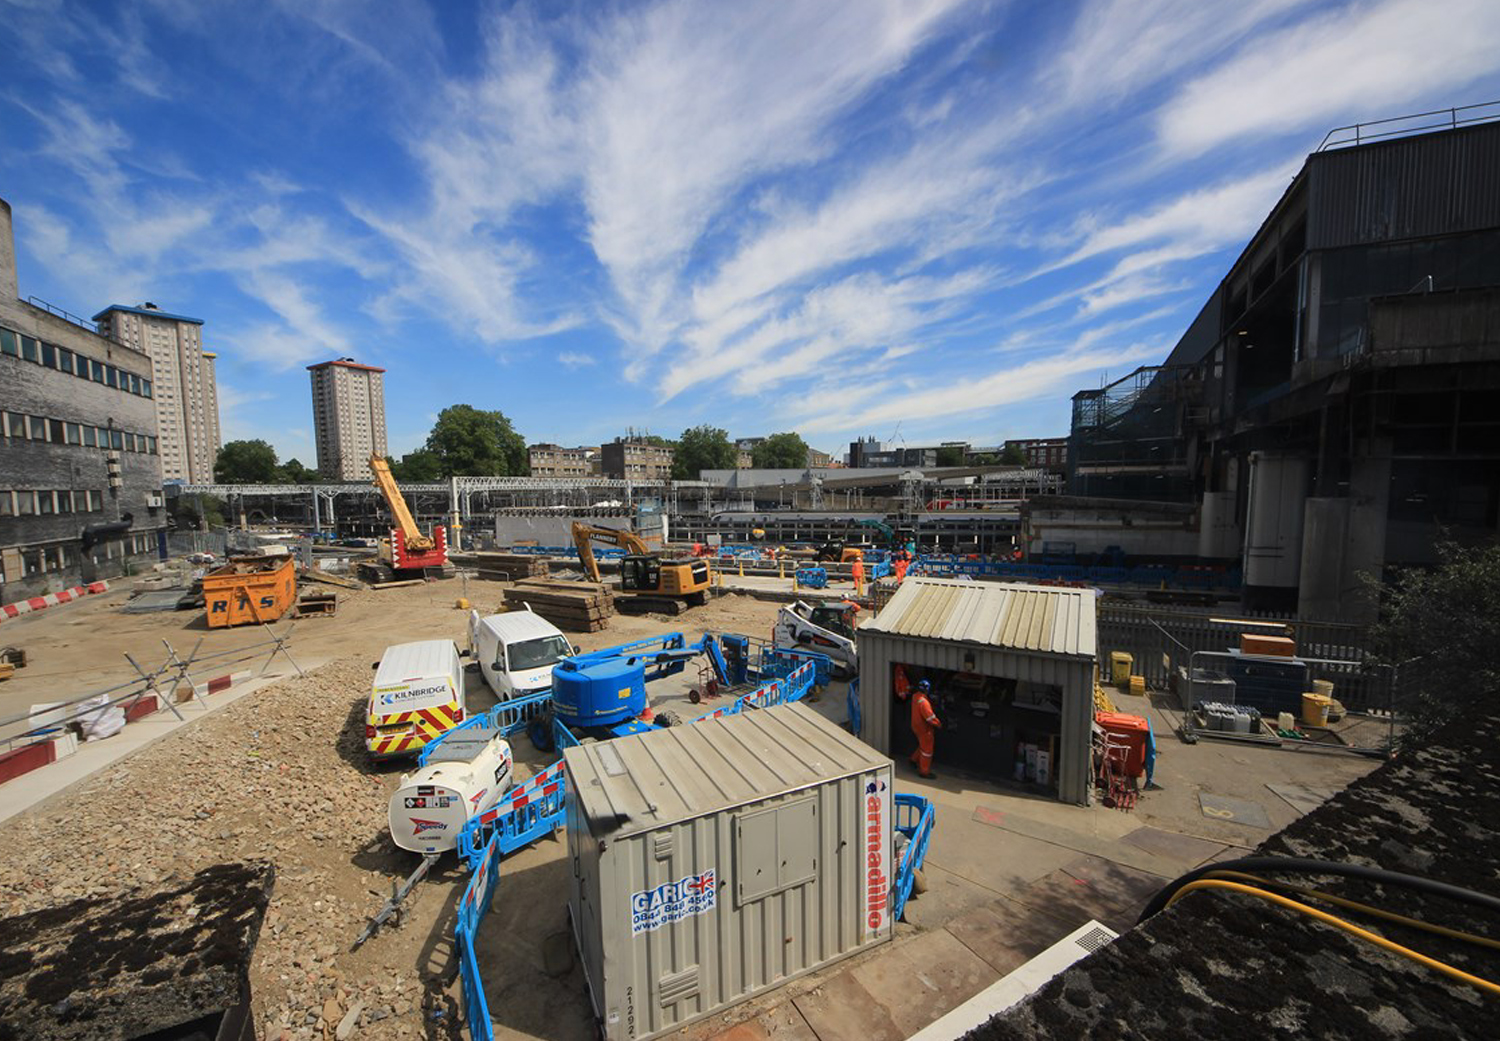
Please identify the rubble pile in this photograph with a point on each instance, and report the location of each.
(282, 776)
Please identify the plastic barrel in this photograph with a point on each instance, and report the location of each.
(1315, 709)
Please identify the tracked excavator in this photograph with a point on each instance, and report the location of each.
(648, 583)
(407, 553)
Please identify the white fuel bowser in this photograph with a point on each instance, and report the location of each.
(465, 774)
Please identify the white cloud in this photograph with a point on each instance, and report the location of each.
(903, 400)
(576, 359)
(1364, 60)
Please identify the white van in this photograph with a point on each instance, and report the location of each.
(418, 694)
(516, 651)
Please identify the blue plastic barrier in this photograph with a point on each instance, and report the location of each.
(915, 818)
(856, 719)
(471, 911)
(811, 577)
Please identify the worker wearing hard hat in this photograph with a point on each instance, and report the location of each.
(924, 724)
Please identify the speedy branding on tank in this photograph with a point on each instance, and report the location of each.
(877, 839)
(672, 902)
(403, 695)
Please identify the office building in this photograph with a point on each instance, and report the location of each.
(80, 481)
(186, 391)
(549, 460)
(1041, 453)
(348, 417)
(636, 461)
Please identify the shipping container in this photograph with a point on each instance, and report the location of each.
(711, 863)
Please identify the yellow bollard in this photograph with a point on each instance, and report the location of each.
(742, 567)
(783, 571)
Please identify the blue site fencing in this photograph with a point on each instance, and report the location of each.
(1150, 575)
(538, 807)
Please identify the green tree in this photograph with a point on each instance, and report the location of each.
(293, 472)
(702, 448)
(950, 455)
(986, 459)
(470, 442)
(1439, 628)
(194, 512)
(780, 452)
(1012, 455)
(420, 465)
(246, 462)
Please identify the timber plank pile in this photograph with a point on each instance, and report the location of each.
(575, 606)
(502, 567)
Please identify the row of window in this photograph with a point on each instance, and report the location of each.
(49, 503)
(27, 348)
(18, 564)
(61, 432)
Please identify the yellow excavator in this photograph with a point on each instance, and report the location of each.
(649, 583)
(407, 553)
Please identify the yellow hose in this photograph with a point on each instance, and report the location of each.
(1391, 916)
(1339, 923)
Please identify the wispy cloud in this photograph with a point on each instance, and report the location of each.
(576, 359)
(1371, 59)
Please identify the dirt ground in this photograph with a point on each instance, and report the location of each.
(281, 775)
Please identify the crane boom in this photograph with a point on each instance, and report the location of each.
(584, 536)
(415, 540)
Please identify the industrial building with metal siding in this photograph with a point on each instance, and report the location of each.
(1331, 411)
(1011, 666)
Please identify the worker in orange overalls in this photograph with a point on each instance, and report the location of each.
(924, 724)
(859, 577)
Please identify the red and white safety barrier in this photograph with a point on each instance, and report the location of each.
(538, 788)
(202, 688)
(41, 603)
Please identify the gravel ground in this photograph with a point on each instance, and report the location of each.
(280, 776)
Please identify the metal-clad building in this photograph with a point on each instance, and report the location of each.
(1007, 661)
(713, 862)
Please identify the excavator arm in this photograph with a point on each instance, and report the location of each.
(585, 535)
(415, 540)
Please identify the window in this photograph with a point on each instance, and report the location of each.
(73, 433)
(64, 501)
(146, 387)
(8, 343)
(25, 504)
(55, 431)
(38, 428)
(97, 368)
(89, 440)
(7, 504)
(151, 445)
(30, 349)
(111, 376)
(135, 384)
(81, 367)
(116, 440)
(44, 503)
(65, 360)
(49, 356)
(96, 501)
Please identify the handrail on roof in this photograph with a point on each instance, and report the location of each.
(1355, 133)
(36, 301)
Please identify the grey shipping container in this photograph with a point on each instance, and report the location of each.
(713, 862)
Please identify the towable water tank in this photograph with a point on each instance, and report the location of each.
(601, 693)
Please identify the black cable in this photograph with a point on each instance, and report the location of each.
(1310, 866)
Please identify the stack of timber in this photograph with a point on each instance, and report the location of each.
(575, 606)
(502, 567)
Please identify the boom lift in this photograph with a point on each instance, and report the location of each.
(407, 553)
(650, 584)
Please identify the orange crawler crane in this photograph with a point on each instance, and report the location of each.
(407, 553)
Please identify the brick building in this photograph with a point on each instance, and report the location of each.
(636, 461)
(549, 460)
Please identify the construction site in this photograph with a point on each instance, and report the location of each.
(1157, 732)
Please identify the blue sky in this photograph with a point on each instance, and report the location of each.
(917, 221)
